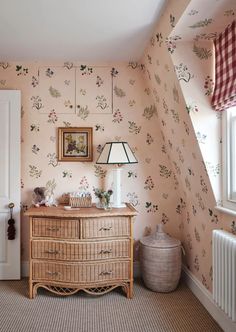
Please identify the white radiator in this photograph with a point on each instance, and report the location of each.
(224, 271)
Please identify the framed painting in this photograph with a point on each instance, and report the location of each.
(75, 144)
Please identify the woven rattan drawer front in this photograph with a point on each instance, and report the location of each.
(55, 228)
(105, 227)
(81, 273)
(88, 251)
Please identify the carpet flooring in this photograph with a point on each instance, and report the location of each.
(148, 311)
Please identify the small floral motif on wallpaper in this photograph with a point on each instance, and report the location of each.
(99, 172)
(35, 81)
(34, 172)
(149, 112)
(205, 36)
(151, 208)
(37, 103)
(86, 70)
(183, 73)
(159, 39)
(99, 127)
(213, 216)
(181, 206)
(117, 116)
(164, 219)
(52, 117)
(171, 43)
(132, 174)
(172, 20)
(52, 159)
(84, 183)
(201, 137)
(191, 108)
(149, 184)
(233, 227)
(149, 139)
(193, 12)
(5, 65)
(20, 70)
(164, 171)
(202, 23)
(82, 112)
(54, 92)
(208, 86)
(67, 174)
(119, 92)
(134, 128)
(230, 12)
(202, 52)
(133, 198)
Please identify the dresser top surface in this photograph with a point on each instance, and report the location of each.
(59, 211)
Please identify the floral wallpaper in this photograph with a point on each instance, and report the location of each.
(160, 105)
(115, 101)
(180, 74)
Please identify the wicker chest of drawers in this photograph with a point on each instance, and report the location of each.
(86, 249)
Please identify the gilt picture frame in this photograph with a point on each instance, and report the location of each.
(75, 144)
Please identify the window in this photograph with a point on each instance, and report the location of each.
(229, 158)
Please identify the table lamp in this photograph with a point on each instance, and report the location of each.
(117, 153)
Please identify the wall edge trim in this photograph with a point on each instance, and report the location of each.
(24, 269)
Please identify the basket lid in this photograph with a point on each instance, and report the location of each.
(160, 239)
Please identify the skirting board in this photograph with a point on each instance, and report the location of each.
(205, 297)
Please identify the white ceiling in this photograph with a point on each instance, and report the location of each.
(89, 30)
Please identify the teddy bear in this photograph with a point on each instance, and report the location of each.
(39, 196)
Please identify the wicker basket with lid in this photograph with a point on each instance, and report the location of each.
(160, 259)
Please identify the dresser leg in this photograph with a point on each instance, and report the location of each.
(31, 290)
(130, 290)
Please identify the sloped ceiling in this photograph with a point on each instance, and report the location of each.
(203, 20)
(92, 30)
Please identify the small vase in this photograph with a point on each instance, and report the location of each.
(104, 204)
(108, 206)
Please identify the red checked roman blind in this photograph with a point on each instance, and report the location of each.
(224, 95)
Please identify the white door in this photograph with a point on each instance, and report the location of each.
(10, 107)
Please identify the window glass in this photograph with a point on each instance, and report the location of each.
(229, 158)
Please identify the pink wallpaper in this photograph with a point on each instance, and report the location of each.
(180, 76)
(49, 96)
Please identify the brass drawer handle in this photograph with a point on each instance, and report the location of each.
(54, 229)
(105, 228)
(50, 251)
(104, 251)
(54, 274)
(104, 273)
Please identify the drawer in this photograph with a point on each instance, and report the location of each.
(55, 228)
(81, 273)
(105, 227)
(87, 251)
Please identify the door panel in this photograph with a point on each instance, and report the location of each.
(4, 149)
(9, 181)
(3, 242)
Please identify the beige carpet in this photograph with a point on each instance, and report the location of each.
(146, 312)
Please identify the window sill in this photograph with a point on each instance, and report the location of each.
(225, 210)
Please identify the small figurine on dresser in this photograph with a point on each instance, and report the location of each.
(43, 196)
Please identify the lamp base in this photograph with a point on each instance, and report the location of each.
(117, 206)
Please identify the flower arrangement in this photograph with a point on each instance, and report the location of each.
(104, 197)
